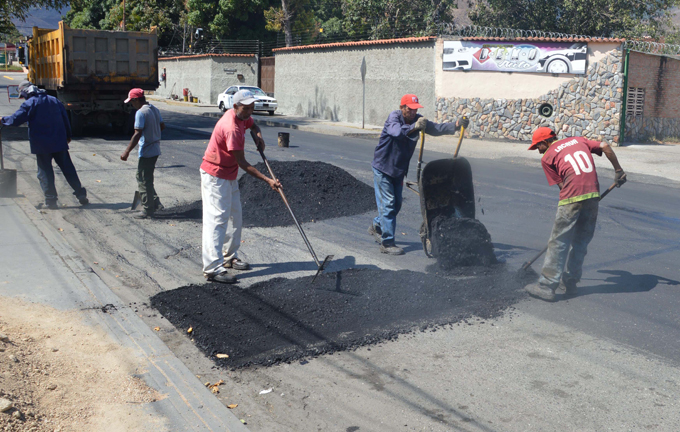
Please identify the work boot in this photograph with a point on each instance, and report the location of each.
(83, 201)
(143, 215)
(569, 287)
(391, 249)
(223, 277)
(236, 264)
(375, 231)
(52, 205)
(540, 291)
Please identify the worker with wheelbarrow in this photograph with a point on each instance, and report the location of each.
(390, 164)
(568, 163)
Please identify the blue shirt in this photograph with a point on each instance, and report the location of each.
(149, 120)
(395, 147)
(48, 127)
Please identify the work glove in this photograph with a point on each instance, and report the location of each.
(421, 124)
(619, 178)
(464, 122)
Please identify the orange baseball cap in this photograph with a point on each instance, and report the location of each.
(541, 134)
(411, 101)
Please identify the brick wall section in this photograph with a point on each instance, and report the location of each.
(660, 77)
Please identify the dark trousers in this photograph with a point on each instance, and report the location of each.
(147, 193)
(46, 175)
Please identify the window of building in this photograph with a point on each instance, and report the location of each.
(635, 102)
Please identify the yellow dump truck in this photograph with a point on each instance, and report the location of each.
(91, 71)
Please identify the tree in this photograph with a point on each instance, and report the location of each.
(18, 9)
(624, 18)
(376, 19)
(293, 16)
(232, 19)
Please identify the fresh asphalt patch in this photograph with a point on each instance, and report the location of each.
(315, 191)
(284, 320)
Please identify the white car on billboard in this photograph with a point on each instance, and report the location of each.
(458, 57)
(262, 101)
(571, 60)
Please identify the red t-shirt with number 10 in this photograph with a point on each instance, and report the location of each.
(570, 161)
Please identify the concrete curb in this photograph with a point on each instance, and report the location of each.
(190, 406)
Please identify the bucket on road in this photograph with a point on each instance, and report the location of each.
(284, 139)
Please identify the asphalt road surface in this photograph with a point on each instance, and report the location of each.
(606, 359)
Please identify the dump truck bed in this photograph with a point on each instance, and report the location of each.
(73, 59)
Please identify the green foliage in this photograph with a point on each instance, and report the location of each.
(13, 9)
(230, 19)
(624, 18)
(377, 19)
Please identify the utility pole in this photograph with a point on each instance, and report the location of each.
(123, 15)
(184, 37)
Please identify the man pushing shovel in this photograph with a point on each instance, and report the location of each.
(568, 163)
(222, 217)
(391, 159)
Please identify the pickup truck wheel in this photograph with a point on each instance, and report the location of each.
(222, 107)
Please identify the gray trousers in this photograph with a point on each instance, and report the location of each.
(145, 169)
(573, 230)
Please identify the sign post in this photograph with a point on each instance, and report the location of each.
(363, 83)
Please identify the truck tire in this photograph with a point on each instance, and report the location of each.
(76, 124)
(130, 123)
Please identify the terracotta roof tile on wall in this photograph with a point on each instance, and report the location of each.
(545, 39)
(358, 43)
(205, 55)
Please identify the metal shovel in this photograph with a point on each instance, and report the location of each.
(320, 265)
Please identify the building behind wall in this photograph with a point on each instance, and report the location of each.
(653, 97)
(206, 75)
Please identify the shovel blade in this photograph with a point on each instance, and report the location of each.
(322, 266)
(136, 200)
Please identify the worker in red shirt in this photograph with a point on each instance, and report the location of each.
(220, 192)
(568, 163)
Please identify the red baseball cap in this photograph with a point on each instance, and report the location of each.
(411, 101)
(135, 93)
(541, 134)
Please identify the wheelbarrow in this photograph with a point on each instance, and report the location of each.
(445, 188)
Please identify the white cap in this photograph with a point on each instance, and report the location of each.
(244, 97)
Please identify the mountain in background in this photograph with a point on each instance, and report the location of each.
(43, 18)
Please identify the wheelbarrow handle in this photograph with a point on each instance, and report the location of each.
(460, 139)
(420, 156)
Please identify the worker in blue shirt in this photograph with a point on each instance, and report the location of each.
(49, 134)
(397, 143)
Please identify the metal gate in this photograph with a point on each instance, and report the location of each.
(267, 75)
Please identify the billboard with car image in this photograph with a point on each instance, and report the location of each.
(542, 57)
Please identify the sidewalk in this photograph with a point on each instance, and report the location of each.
(41, 277)
(652, 163)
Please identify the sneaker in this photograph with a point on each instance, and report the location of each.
(143, 215)
(391, 249)
(570, 288)
(52, 205)
(83, 201)
(223, 277)
(539, 291)
(237, 264)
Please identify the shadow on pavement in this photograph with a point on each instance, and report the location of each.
(622, 281)
(348, 262)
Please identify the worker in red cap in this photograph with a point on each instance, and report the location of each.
(148, 127)
(569, 164)
(391, 159)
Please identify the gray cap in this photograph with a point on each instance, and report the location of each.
(244, 97)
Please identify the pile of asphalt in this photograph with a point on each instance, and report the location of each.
(460, 242)
(283, 320)
(315, 191)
